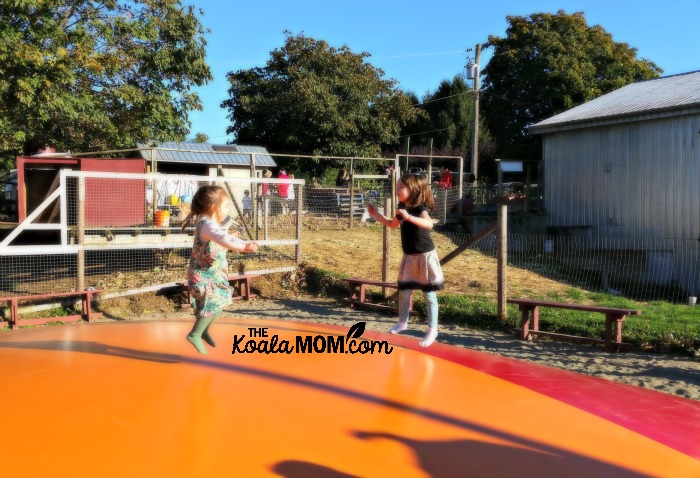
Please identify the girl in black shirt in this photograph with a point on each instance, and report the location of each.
(420, 265)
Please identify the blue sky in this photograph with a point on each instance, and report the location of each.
(419, 43)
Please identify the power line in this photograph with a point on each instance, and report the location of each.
(423, 132)
(426, 132)
(443, 98)
(409, 55)
(417, 54)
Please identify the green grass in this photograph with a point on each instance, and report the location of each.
(662, 327)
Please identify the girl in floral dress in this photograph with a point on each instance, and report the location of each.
(207, 274)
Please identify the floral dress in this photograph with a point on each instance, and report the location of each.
(207, 275)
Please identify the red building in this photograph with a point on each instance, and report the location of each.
(108, 202)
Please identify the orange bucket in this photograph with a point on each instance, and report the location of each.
(163, 218)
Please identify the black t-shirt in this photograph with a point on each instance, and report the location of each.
(414, 239)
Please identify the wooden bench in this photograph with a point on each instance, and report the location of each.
(614, 318)
(240, 283)
(358, 294)
(86, 314)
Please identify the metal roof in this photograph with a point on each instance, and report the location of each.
(645, 98)
(204, 153)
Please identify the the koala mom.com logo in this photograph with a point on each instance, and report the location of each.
(259, 342)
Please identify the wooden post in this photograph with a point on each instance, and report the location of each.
(460, 185)
(300, 204)
(154, 185)
(266, 215)
(430, 163)
(81, 233)
(528, 182)
(352, 191)
(475, 136)
(385, 248)
(394, 179)
(254, 197)
(502, 253)
(408, 151)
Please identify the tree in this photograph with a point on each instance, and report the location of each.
(92, 75)
(201, 138)
(449, 121)
(449, 117)
(314, 99)
(547, 64)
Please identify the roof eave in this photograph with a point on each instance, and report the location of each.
(616, 119)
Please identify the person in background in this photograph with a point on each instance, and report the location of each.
(247, 204)
(445, 181)
(420, 266)
(266, 187)
(207, 273)
(290, 192)
(283, 187)
(341, 181)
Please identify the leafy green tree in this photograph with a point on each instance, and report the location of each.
(547, 64)
(87, 75)
(201, 138)
(314, 99)
(450, 116)
(449, 121)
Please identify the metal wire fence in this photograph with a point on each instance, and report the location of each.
(641, 269)
(123, 232)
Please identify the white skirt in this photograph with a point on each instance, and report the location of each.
(421, 271)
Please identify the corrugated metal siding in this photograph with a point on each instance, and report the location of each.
(633, 180)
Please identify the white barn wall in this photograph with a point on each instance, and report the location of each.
(631, 180)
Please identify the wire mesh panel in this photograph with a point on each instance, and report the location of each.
(636, 268)
(121, 232)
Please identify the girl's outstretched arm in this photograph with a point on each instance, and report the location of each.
(392, 223)
(423, 221)
(212, 232)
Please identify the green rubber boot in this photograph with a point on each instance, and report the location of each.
(205, 335)
(195, 335)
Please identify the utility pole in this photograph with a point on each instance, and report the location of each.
(408, 152)
(475, 138)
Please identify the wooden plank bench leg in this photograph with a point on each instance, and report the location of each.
(524, 322)
(244, 285)
(530, 319)
(363, 290)
(88, 313)
(185, 295)
(613, 331)
(14, 313)
(86, 300)
(245, 288)
(353, 295)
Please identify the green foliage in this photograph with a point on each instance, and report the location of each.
(449, 117)
(314, 99)
(547, 64)
(83, 75)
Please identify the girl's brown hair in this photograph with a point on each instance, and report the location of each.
(419, 191)
(206, 198)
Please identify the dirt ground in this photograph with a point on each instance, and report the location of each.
(358, 252)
